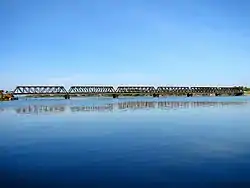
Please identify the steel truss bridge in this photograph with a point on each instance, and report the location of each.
(126, 90)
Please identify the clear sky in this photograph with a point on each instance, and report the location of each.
(112, 42)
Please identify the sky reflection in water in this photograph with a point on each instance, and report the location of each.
(126, 142)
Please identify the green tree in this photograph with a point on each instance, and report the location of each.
(246, 89)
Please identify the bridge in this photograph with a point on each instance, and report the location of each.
(126, 90)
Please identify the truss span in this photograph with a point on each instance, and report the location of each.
(91, 90)
(173, 90)
(200, 90)
(39, 90)
(135, 89)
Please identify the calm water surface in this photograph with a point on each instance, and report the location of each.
(125, 142)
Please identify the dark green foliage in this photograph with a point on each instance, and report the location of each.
(246, 89)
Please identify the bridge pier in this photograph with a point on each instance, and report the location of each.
(115, 96)
(217, 94)
(67, 96)
(189, 94)
(156, 95)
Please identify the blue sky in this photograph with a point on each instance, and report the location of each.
(137, 42)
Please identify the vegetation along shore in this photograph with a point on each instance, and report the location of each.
(246, 91)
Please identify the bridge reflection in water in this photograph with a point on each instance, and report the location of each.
(37, 109)
(164, 105)
(95, 108)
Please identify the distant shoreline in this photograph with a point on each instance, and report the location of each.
(247, 92)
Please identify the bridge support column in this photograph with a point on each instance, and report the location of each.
(115, 96)
(189, 94)
(15, 98)
(67, 96)
(217, 94)
(156, 95)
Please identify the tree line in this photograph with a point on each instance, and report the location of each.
(246, 88)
